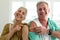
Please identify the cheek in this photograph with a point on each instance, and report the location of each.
(15, 17)
(38, 14)
(24, 17)
(46, 12)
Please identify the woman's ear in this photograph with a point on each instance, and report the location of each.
(15, 14)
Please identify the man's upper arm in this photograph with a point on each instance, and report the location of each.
(56, 27)
(32, 24)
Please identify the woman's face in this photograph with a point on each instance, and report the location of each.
(20, 14)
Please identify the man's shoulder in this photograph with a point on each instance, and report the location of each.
(50, 20)
(34, 20)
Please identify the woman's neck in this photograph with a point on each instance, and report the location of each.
(17, 22)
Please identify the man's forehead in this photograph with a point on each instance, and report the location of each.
(41, 2)
(42, 5)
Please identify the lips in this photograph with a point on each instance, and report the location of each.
(19, 16)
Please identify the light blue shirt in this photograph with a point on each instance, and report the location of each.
(52, 26)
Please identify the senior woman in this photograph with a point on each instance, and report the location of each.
(17, 30)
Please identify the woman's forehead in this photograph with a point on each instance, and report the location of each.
(22, 9)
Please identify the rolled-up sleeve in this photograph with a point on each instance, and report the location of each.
(33, 36)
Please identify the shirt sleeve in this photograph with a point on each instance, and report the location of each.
(57, 28)
(4, 32)
(33, 36)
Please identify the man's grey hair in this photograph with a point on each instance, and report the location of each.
(42, 2)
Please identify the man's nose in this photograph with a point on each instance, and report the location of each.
(42, 10)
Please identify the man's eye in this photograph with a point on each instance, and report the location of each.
(40, 9)
(44, 8)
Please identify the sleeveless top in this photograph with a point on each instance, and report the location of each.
(42, 36)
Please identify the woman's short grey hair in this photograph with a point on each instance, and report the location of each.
(23, 8)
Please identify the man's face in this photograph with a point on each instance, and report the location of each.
(42, 10)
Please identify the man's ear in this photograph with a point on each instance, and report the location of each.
(14, 14)
(48, 10)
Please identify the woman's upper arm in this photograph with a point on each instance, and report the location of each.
(5, 30)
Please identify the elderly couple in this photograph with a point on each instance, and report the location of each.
(41, 28)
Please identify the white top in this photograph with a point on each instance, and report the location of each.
(42, 36)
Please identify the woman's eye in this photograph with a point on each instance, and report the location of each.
(17, 14)
(23, 13)
(19, 10)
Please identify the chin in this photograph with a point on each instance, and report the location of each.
(42, 18)
(18, 19)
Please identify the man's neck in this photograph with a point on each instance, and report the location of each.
(44, 22)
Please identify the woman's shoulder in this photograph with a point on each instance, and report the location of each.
(7, 25)
(5, 29)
